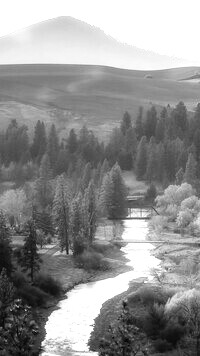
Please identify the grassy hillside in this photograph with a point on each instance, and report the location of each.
(94, 95)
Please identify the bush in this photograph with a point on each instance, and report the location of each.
(33, 296)
(101, 248)
(152, 294)
(162, 345)
(159, 223)
(173, 333)
(78, 247)
(156, 320)
(90, 260)
(151, 193)
(49, 239)
(19, 279)
(48, 284)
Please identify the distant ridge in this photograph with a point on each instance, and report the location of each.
(65, 40)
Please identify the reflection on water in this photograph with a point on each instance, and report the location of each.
(68, 328)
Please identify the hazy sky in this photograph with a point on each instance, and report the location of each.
(169, 27)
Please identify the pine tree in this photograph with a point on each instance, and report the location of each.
(113, 194)
(196, 141)
(151, 171)
(72, 142)
(43, 186)
(62, 162)
(160, 154)
(38, 147)
(4, 230)
(86, 177)
(179, 116)
(139, 129)
(53, 146)
(29, 259)
(6, 296)
(43, 221)
(61, 212)
(77, 233)
(190, 175)
(160, 130)
(126, 123)
(5, 246)
(90, 211)
(141, 158)
(151, 122)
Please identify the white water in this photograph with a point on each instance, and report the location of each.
(68, 329)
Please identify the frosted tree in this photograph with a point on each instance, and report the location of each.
(190, 175)
(14, 204)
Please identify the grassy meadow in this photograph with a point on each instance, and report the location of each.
(73, 95)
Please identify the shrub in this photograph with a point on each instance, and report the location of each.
(159, 223)
(101, 248)
(162, 345)
(33, 296)
(90, 260)
(152, 294)
(156, 320)
(151, 193)
(173, 333)
(78, 246)
(49, 239)
(19, 279)
(48, 284)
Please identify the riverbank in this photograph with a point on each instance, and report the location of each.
(179, 255)
(110, 312)
(174, 271)
(63, 268)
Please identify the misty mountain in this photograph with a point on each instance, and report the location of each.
(65, 40)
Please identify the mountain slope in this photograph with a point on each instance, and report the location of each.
(70, 41)
(73, 95)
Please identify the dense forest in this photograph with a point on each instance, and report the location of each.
(62, 187)
(160, 147)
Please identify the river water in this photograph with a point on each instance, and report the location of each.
(68, 328)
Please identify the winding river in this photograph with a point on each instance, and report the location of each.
(68, 328)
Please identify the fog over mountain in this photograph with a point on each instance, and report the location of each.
(69, 41)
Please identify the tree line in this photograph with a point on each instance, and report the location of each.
(160, 145)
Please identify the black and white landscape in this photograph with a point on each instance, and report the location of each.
(99, 193)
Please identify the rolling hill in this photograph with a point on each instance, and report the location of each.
(65, 40)
(73, 95)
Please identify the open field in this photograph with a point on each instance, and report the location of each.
(73, 95)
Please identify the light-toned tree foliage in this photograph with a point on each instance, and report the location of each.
(14, 203)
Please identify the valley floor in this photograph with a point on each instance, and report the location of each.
(62, 267)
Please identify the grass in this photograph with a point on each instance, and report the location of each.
(93, 95)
